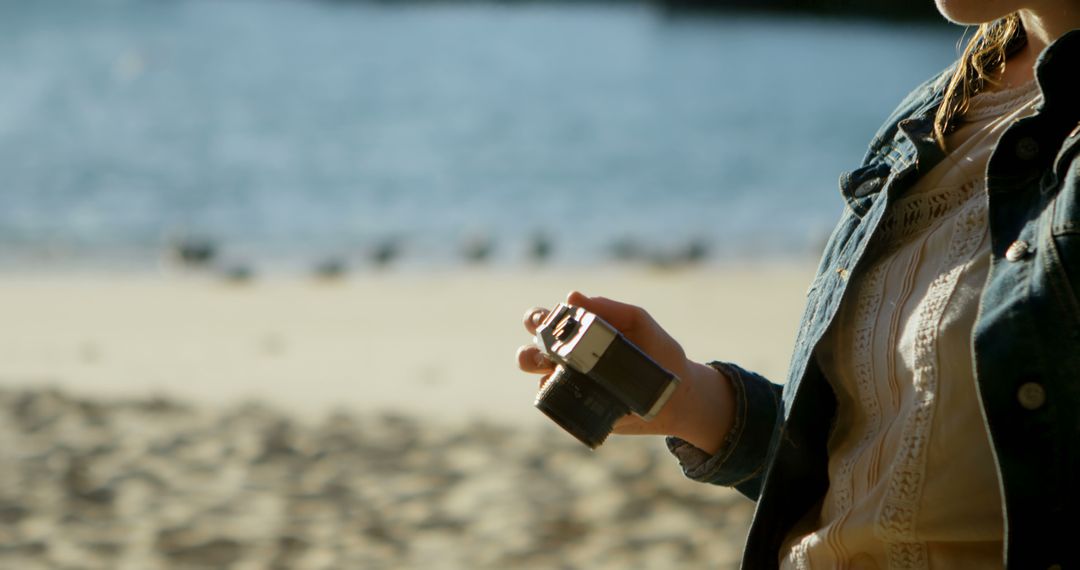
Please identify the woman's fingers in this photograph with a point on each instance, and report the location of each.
(533, 318)
(620, 315)
(577, 298)
(543, 381)
(531, 360)
(630, 425)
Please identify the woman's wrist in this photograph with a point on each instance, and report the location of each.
(705, 407)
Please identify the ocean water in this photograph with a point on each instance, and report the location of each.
(293, 130)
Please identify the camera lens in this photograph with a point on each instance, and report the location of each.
(580, 406)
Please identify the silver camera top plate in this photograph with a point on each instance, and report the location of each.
(574, 336)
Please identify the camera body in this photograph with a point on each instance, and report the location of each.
(599, 376)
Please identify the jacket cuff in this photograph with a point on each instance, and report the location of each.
(741, 456)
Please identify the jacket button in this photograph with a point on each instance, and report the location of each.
(1027, 148)
(1017, 250)
(1031, 395)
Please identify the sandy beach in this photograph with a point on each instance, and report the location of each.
(432, 344)
(373, 422)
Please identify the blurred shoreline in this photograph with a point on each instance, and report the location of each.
(538, 252)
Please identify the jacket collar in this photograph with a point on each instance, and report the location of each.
(914, 147)
(1055, 70)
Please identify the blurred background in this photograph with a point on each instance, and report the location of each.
(263, 263)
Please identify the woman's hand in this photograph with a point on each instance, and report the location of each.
(700, 411)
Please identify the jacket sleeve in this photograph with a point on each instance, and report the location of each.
(742, 458)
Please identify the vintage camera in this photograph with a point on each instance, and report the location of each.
(599, 376)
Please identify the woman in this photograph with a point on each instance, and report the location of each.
(933, 401)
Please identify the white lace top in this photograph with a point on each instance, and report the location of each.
(911, 471)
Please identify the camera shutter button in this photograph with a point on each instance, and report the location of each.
(565, 330)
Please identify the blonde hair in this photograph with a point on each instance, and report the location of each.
(983, 57)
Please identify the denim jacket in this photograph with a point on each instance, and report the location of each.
(1026, 339)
